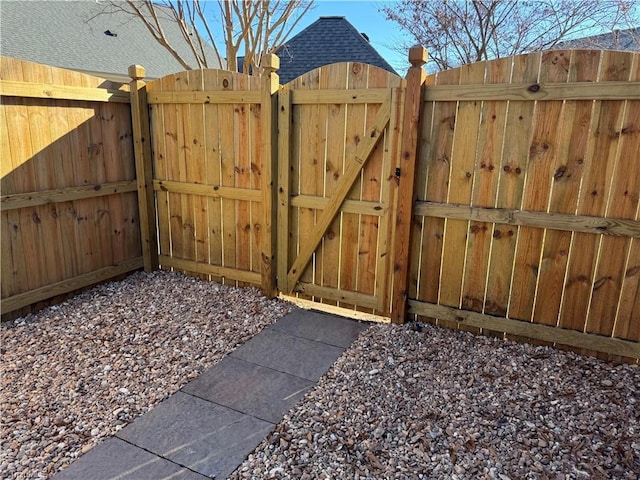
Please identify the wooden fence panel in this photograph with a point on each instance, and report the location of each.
(69, 207)
(551, 164)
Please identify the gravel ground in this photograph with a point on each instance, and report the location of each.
(412, 401)
(80, 371)
(439, 404)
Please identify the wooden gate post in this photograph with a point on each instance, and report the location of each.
(270, 84)
(404, 209)
(144, 168)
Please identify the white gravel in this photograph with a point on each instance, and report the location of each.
(75, 373)
(412, 401)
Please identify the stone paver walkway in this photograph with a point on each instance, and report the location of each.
(207, 429)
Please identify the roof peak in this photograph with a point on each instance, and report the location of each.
(333, 16)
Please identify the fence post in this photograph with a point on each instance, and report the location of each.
(270, 84)
(144, 169)
(404, 209)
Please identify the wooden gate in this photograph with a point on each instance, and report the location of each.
(210, 173)
(339, 144)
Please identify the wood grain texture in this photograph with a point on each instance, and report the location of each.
(502, 288)
(598, 165)
(68, 206)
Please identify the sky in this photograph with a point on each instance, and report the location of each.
(365, 17)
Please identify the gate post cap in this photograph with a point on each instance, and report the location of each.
(270, 62)
(137, 72)
(417, 55)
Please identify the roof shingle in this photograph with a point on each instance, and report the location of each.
(327, 40)
(71, 35)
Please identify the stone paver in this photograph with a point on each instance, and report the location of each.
(320, 327)
(250, 388)
(116, 458)
(207, 438)
(286, 353)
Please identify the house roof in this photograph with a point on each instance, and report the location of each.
(327, 40)
(75, 35)
(627, 40)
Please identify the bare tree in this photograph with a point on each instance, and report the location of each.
(457, 32)
(255, 26)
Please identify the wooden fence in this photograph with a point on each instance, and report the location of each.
(528, 188)
(502, 196)
(69, 205)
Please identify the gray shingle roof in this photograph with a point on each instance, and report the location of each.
(627, 40)
(69, 34)
(327, 40)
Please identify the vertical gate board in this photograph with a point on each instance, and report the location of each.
(172, 155)
(160, 157)
(598, 167)
(370, 235)
(242, 166)
(388, 196)
(186, 169)
(310, 169)
(197, 171)
(213, 161)
(435, 158)
(284, 235)
(226, 122)
(320, 173)
(257, 168)
(394, 149)
(567, 174)
(294, 184)
(622, 203)
(350, 233)
(462, 162)
(512, 173)
(335, 78)
(485, 186)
